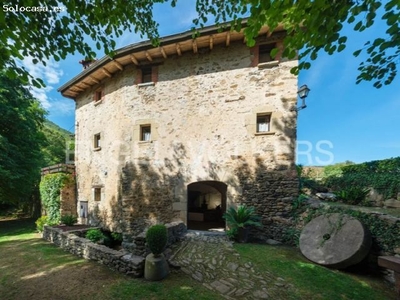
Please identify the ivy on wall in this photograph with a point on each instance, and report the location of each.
(50, 188)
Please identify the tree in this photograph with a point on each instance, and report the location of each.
(20, 142)
(58, 28)
(54, 147)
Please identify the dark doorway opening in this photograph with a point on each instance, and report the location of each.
(206, 205)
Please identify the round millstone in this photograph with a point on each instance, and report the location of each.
(335, 241)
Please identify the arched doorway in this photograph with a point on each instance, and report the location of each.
(206, 205)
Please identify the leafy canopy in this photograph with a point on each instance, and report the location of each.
(21, 140)
(312, 26)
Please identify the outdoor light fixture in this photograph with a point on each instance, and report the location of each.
(303, 93)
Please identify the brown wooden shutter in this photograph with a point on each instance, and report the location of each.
(154, 74)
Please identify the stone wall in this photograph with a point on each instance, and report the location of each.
(120, 261)
(68, 200)
(203, 115)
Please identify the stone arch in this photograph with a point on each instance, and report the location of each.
(206, 204)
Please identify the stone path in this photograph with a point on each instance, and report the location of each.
(211, 259)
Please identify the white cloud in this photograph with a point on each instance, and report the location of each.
(49, 73)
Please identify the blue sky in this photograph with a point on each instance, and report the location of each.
(342, 121)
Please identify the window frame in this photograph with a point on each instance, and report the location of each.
(97, 191)
(143, 127)
(259, 117)
(97, 141)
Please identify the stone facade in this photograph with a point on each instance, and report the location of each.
(203, 111)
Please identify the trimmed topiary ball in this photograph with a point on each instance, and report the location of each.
(156, 239)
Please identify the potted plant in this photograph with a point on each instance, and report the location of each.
(240, 220)
(156, 266)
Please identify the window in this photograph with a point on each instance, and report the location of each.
(97, 194)
(263, 122)
(146, 75)
(98, 95)
(145, 133)
(264, 53)
(96, 140)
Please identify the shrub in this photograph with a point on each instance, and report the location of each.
(116, 236)
(69, 220)
(40, 223)
(243, 216)
(352, 195)
(95, 235)
(156, 238)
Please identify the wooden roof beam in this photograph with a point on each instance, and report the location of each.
(148, 56)
(228, 38)
(118, 65)
(163, 52)
(86, 85)
(105, 71)
(134, 60)
(76, 88)
(94, 79)
(178, 50)
(194, 45)
(211, 42)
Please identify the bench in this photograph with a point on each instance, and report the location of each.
(392, 263)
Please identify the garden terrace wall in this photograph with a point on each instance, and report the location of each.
(120, 261)
(137, 245)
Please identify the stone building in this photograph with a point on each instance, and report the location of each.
(184, 130)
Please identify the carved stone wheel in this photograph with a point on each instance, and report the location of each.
(335, 241)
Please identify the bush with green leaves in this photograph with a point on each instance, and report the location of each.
(352, 195)
(243, 216)
(41, 222)
(69, 220)
(116, 236)
(156, 238)
(95, 235)
(50, 187)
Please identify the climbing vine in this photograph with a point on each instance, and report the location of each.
(50, 187)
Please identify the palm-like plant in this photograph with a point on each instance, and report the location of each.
(243, 216)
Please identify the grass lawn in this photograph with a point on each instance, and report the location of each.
(31, 268)
(311, 281)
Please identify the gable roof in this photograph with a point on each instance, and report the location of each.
(143, 53)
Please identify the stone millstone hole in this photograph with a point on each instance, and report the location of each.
(335, 241)
(326, 236)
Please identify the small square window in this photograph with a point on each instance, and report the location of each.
(146, 75)
(264, 53)
(96, 141)
(145, 133)
(98, 95)
(263, 122)
(97, 194)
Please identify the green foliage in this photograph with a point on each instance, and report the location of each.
(20, 141)
(116, 236)
(50, 187)
(336, 169)
(243, 216)
(382, 175)
(156, 238)
(41, 222)
(56, 141)
(51, 34)
(95, 235)
(385, 234)
(299, 201)
(69, 220)
(352, 195)
(383, 52)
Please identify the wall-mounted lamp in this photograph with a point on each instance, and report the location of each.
(303, 93)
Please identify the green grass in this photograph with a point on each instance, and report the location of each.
(31, 268)
(312, 281)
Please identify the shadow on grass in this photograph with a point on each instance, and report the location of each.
(16, 227)
(31, 268)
